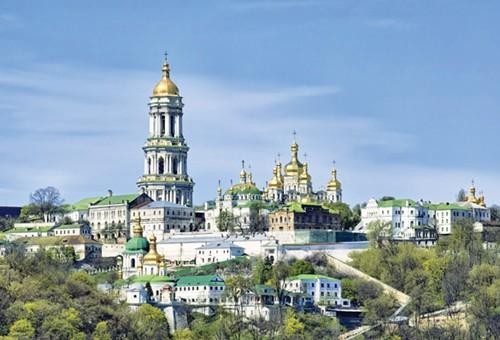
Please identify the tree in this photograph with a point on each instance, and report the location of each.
(150, 323)
(101, 331)
(347, 219)
(461, 196)
(279, 274)
(292, 327)
(22, 329)
(261, 271)
(47, 202)
(6, 223)
(301, 267)
(377, 231)
(226, 221)
(387, 198)
(184, 334)
(379, 309)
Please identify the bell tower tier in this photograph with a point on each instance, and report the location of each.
(165, 151)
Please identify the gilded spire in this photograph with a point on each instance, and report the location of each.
(334, 183)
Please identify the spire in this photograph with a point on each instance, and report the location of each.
(152, 257)
(243, 173)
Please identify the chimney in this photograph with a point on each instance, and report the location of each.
(110, 193)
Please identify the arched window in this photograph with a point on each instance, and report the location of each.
(161, 166)
(132, 263)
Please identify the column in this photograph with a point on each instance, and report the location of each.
(177, 126)
(180, 125)
(158, 124)
(151, 125)
(167, 124)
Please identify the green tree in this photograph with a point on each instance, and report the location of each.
(279, 274)
(150, 323)
(292, 327)
(301, 267)
(184, 334)
(379, 309)
(226, 221)
(378, 231)
(261, 271)
(101, 331)
(22, 329)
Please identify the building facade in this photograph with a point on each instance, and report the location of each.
(165, 151)
(302, 216)
(161, 218)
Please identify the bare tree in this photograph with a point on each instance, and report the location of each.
(48, 202)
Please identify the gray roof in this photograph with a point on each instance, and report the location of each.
(162, 204)
(219, 245)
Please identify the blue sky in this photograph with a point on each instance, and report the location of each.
(404, 95)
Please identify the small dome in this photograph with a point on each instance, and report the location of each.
(137, 244)
(165, 86)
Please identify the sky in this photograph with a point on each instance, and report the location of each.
(403, 95)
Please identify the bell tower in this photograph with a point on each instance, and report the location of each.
(165, 151)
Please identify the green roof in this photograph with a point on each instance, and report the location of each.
(116, 199)
(396, 203)
(70, 226)
(29, 230)
(200, 280)
(84, 203)
(447, 206)
(152, 279)
(243, 189)
(137, 244)
(309, 277)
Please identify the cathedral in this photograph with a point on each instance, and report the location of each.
(165, 151)
(293, 183)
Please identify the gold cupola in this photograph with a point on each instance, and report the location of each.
(165, 86)
(152, 257)
(304, 176)
(294, 167)
(334, 183)
(276, 181)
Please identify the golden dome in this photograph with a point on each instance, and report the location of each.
(334, 183)
(294, 167)
(152, 257)
(275, 182)
(304, 176)
(165, 86)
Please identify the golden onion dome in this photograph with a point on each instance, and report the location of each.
(275, 182)
(334, 183)
(152, 257)
(165, 87)
(294, 167)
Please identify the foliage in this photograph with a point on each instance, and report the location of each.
(348, 220)
(378, 231)
(301, 267)
(293, 328)
(150, 323)
(6, 223)
(41, 296)
(226, 221)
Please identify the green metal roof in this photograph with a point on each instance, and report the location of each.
(29, 230)
(243, 189)
(309, 277)
(116, 199)
(447, 206)
(84, 203)
(200, 280)
(152, 279)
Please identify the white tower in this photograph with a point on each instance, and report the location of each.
(334, 187)
(165, 152)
